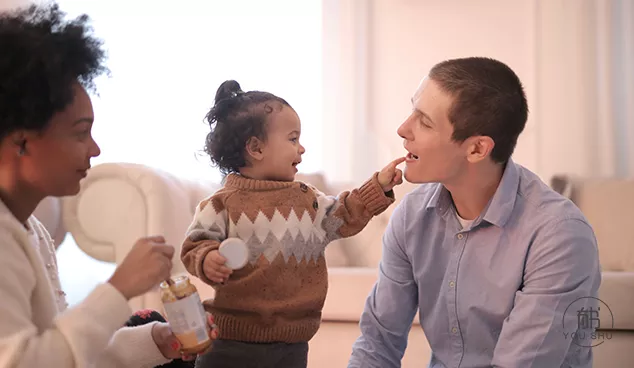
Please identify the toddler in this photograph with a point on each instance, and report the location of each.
(268, 310)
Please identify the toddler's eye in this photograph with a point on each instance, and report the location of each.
(294, 140)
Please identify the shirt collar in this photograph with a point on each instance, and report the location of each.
(499, 208)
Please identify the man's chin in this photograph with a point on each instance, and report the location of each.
(415, 178)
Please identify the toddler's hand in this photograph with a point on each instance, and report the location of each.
(214, 267)
(390, 176)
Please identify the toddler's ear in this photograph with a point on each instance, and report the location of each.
(255, 148)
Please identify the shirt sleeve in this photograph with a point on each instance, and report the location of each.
(132, 347)
(561, 278)
(391, 306)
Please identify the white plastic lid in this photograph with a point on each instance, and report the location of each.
(235, 251)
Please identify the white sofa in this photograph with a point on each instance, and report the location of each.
(120, 202)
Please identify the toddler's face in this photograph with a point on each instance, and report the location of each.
(282, 151)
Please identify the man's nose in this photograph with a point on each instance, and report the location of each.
(403, 131)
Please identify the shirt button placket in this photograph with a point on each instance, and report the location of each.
(452, 297)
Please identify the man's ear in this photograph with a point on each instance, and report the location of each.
(255, 148)
(479, 147)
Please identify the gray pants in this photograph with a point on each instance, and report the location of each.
(237, 354)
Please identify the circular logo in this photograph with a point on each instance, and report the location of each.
(588, 317)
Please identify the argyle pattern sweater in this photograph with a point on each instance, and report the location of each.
(278, 296)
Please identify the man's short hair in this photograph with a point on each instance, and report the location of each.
(488, 99)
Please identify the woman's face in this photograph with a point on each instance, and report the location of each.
(57, 158)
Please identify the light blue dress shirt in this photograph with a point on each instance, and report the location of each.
(508, 291)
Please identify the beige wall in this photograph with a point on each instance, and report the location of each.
(387, 46)
(10, 4)
(409, 37)
(563, 50)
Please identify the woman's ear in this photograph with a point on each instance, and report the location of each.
(254, 148)
(19, 138)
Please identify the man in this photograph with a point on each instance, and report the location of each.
(496, 262)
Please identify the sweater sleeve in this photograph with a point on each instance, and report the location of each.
(349, 212)
(75, 338)
(132, 347)
(80, 336)
(207, 230)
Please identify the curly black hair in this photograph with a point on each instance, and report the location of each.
(146, 316)
(236, 117)
(43, 56)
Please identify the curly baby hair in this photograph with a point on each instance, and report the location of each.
(236, 117)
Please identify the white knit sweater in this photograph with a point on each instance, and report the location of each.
(37, 329)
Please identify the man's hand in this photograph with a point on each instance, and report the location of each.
(168, 344)
(390, 176)
(148, 263)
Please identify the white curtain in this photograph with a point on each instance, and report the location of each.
(585, 87)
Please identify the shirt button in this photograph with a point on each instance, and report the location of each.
(454, 330)
(460, 236)
(452, 284)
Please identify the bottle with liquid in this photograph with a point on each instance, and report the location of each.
(185, 314)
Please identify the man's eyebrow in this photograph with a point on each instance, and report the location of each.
(420, 112)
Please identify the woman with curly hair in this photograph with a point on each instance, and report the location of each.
(47, 66)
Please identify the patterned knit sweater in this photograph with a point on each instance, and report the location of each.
(278, 296)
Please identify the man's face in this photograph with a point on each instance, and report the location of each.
(432, 155)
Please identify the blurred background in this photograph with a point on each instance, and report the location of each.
(349, 68)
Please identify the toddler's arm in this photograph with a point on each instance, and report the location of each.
(349, 212)
(207, 230)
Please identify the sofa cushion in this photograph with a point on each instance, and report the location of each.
(348, 289)
(607, 204)
(617, 292)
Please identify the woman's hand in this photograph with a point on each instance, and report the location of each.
(168, 344)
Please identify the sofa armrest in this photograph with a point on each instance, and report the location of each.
(119, 202)
(348, 289)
